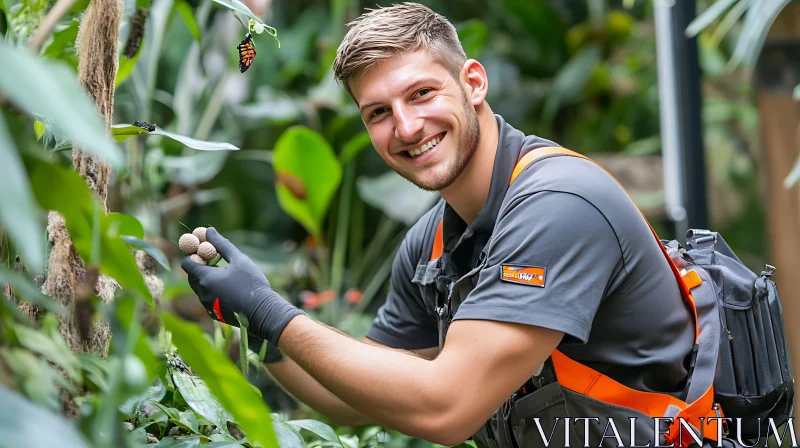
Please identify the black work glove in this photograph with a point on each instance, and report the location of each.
(239, 288)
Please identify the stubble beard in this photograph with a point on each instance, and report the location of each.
(469, 139)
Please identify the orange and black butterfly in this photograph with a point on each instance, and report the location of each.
(247, 52)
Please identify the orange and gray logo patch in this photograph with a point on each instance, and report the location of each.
(524, 275)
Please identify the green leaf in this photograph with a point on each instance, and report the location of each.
(571, 80)
(197, 395)
(708, 16)
(125, 131)
(38, 129)
(22, 424)
(19, 214)
(178, 442)
(126, 67)
(27, 291)
(122, 132)
(354, 146)
(135, 404)
(308, 175)
(288, 436)
(33, 375)
(473, 34)
(322, 430)
(398, 198)
(186, 12)
(189, 419)
(52, 347)
(122, 224)
(223, 379)
(63, 44)
(50, 92)
(148, 247)
(240, 7)
(62, 189)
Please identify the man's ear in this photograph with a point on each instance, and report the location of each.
(476, 83)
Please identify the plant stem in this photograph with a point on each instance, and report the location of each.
(56, 13)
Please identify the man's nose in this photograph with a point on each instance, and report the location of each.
(407, 124)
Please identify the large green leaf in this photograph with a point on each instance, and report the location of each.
(223, 380)
(240, 7)
(185, 10)
(51, 346)
(179, 442)
(26, 290)
(126, 66)
(287, 435)
(197, 395)
(708, 16)
(24, 424)
(62, 189)
(322, 430)
(122, 224)
(49, 91)
(63, 44)
(473, 34)
(307, 174)
(571, 80)
(354, 146)
(19, 212)
(150, 248)
(398, 198)
(123, 132)
(134, 404)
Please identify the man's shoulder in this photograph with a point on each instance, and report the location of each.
(581, 178)
(566, 174)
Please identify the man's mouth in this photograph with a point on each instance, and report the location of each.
(425, 147)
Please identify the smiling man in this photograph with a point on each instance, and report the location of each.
(509, 301)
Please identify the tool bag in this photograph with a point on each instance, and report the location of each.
(754, 377)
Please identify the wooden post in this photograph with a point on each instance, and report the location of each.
(777, 73)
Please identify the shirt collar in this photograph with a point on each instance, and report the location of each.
(509, 145)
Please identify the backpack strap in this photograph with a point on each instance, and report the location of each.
(699, 404)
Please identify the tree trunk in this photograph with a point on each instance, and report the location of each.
(67, 280)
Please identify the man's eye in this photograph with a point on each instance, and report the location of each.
(377, 112)
(423, 92)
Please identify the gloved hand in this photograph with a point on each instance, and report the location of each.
(239, 288)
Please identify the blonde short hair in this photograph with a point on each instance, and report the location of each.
(384, 32)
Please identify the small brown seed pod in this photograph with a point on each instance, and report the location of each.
(206, 250)
(188, 243)
(197, 259)
(200, 233)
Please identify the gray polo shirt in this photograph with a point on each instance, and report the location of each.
(569, 251)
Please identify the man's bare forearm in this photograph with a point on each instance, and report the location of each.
(306, 389)
(397, 388)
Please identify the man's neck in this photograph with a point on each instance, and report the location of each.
(468, 193)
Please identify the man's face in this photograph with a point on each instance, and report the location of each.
(419, 118)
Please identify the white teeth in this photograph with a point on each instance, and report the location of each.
(424, 148)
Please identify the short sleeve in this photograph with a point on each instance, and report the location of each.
(553, 258)
(402, 321)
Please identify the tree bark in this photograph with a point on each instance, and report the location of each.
(68, 281)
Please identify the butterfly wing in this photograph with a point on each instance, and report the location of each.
(247, 52)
